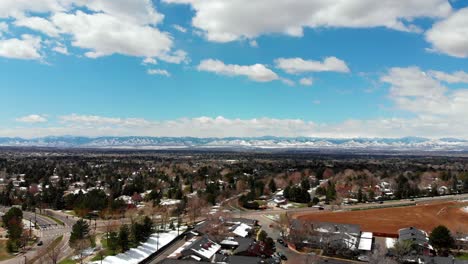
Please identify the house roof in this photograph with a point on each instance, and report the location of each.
(242, 230)
(416, 235)
(365, 241)
(203, 247)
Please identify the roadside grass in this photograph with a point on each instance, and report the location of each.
(383, 206)
(462, 256)
(54, 243)
(55, 219)
(105, 251)
(299, 205)
(67, 261)
(4, 255)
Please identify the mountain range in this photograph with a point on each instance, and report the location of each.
(267, 142)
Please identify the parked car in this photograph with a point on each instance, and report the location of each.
(363, 258)
(40, 243)
(281, 241)
(282, 256)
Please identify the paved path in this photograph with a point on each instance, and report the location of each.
(48, 231)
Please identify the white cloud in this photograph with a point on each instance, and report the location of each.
(253, 43)
(450, 36)
(93, 125)
(105, 35)
(27, 48)
(298, 65)
(18, 8)
(420, 93)
(100, 27)
(60, 48)
(179, 28)
(256, 72)
(227, 20)
(306, 81)
(39, 24)
(3, 28)
(159, 72)
(139, 12)
(177, 57)
(455, 77)
(32, 119)
(288, 81)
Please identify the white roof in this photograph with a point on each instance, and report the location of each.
(242, 230)
(229, 242)
(390, 242)
(209, 252)
(366, 235)
(365, 244)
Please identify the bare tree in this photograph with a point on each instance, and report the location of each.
(79, 246)
(216, 227)
(402, 249)
(50, 254)
(378, 256)
(195, 207)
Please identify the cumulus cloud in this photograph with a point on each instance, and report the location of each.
(227, 20)
(299, 65)
(422, 94)
(39, 24)
(253, 43)
(3, 28)
(158, 72)
(105, 35)
(179, 28)
(18, 8)
(99, 27)
(450, 36)
(93, 125)
(60, 48)
(456, 77)
(288, 82)
(256, 72)
(306, 81)
(32, 119)
(26, 48)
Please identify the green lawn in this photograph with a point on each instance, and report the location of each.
(462, 256)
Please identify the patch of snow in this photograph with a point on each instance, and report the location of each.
(135, 255)
(465, 209)
(390, 242)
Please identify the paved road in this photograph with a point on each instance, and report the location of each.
(48, 231)
(276, 211)
(265, 222)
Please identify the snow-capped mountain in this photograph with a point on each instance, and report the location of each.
(400, 144)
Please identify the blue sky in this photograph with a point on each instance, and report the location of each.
(234, 68)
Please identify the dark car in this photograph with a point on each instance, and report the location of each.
(40, 243)
(282, 256)
(281, 241)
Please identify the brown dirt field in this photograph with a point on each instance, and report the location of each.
(388, 220)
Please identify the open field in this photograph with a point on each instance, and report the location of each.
(425, 216)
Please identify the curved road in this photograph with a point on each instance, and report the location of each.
(48, 231)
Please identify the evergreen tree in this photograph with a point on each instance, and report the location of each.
(80, 230)
(124, 241)
(272, 185)
(440, 238)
